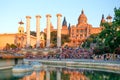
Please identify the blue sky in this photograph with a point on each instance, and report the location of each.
(13, 11)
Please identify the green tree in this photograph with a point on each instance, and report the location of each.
(91, 39)
(7, 47)
(54, 38)
(117, 16)
(13, 46)
(33, 33)
(110, 36)
(64, 38)
(116, 24)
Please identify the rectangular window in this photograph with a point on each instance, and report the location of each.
(77, 30)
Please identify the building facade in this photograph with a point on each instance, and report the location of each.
(82, 30)
(20, 39)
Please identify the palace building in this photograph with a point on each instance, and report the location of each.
(82, 30)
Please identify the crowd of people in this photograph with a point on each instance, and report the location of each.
(68, 53)
(65, 53)
(73, 53)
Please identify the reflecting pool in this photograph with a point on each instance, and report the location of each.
(58, 73)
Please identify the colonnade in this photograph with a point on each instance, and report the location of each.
(48, 21)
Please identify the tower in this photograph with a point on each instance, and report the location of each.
(64, 22)
(69, 28)
(102, 20)
(64, 29)
(21, 27)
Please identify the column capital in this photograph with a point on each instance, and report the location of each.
(48, 15)
(59, 15)
(28, 17)
(38, 16)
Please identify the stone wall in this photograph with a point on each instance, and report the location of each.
(9, 63)
(10, 39)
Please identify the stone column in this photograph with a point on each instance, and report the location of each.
(28, 31)
(38, 31)
(48, 16)
(59, 30)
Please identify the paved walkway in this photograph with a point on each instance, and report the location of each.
(85, 63)
(78, 60)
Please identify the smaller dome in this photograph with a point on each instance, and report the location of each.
(82, 18)
(109, 17)
(21, 22)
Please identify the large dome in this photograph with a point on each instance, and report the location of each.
(82, 18)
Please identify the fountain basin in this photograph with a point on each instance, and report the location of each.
(36, 65)
(22, 68)
(21, 74)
